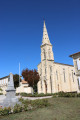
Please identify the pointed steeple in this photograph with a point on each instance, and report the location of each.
(45, 36)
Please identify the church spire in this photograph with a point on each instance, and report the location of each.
(45, 35)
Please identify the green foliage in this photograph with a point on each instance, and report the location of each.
(31, 104)
(35, 95)
(60, 94)
(40, 103)
(66, 94)
(25, 105)
(59, 109)
(5, 111)
(78, 95)
(21, 99)
(16, 80)
(1, 89)
(17, 108)
(17, 94)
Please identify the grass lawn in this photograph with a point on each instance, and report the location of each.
(60, 109)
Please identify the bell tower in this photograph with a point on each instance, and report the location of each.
(46, 65)
(46, 47)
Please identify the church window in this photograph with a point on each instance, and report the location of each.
(50, 69)
(51, 83)
(58, 87)
(73, 76)
(45, 70)
(75, 64)
(41, 84)
(49, 53)
(64, 75)
(44, 53)
(40, 72)
(56, 74)
(78, 83)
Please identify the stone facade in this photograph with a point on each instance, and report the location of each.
(54, 77)
(76, 61)
(24, 88)
(3, 84)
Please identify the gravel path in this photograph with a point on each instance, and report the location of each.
(2, 97)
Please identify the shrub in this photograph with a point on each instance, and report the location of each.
(32, 104)
(17, 94)
(5, 111)
(65, 94)
(17, 108)
(36, 103)
(78, 95)
(35, 95)
(25, 106)
(40, 103)
(21, 99)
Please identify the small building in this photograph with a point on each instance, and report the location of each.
(76, 61)
(24, 87)
(3, 84)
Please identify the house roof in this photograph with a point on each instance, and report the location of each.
(4, 77)
(74, 54)
(24, 82)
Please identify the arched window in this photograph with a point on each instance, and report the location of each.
(40, 72)
(56, 75)
(41, 85)
(64, 75)
(58, 87)
(50, 69)
(51, 83)
(45, 71)
(73, 76)
(49, 54)
(44, 53)
(78, 83)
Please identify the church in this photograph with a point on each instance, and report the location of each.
(54, 77)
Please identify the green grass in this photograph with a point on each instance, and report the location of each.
(59, 109)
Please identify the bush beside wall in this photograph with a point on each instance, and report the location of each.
(25, 105)
(66, 94)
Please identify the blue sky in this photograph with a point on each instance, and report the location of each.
(21, 30)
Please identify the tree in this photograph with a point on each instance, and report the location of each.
(16, 80)
(32, 77)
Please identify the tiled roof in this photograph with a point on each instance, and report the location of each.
(24, 82)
